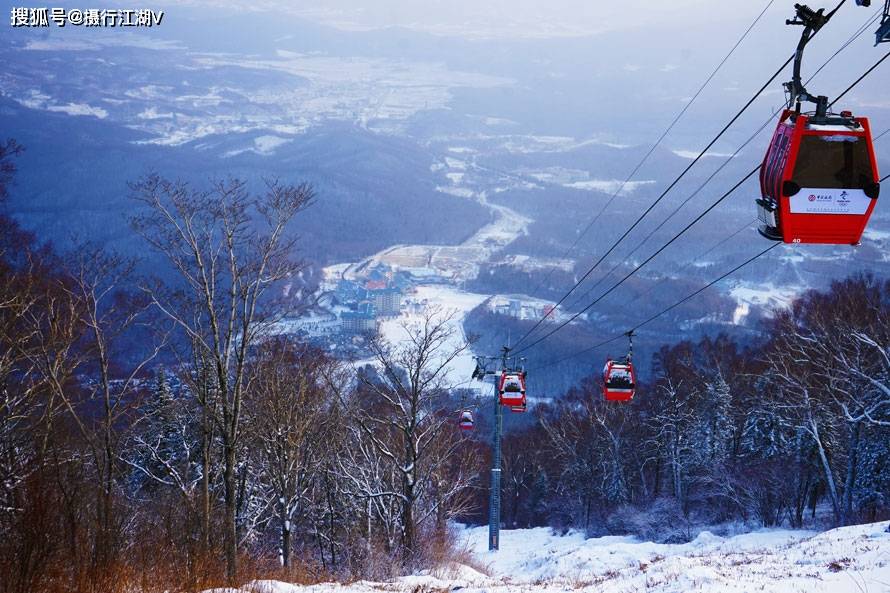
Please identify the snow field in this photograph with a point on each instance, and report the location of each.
(446, 300)
(853, 559)
(846, 560)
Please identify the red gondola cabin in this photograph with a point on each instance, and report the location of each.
(466, 420)
(512, 389)
(819, 182)
(619, 381)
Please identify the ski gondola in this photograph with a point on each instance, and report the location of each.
(511, 389)
(819, 180)
(466, 420)
(619, 381)
(619, 378)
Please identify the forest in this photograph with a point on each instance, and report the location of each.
(157, 434)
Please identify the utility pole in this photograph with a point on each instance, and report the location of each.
(494, 502)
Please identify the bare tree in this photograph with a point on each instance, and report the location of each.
(98, 281)
(829, 360)
(230, 250)
(286, 418)
(366, 475)
(20, 386)
(407, 420)
(588, 436)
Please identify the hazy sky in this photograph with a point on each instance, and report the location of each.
(506, 18)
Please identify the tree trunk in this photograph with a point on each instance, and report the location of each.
(800, 502)
(368, 544)
(408, 521)
(231, 536)
(677, 472)
(205, 479)
(829, 474)
(849, 482)
(285, 540)
(801, 486)
(656, 487)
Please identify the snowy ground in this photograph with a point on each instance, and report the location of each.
(849, 559)
(448, 301)
(747, 295)
(846, 560)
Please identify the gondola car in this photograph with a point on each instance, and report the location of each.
(466, 420)
(619, 381)
(819, 180)
(511, 389)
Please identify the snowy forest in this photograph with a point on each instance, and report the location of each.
(156, 433)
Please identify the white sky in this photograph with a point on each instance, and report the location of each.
(504, 18)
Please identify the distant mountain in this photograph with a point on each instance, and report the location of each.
(72, 182)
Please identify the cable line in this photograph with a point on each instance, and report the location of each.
(677, 180)
(706, 286)
(860, 79)
(657, 144)
(858, 33)
(725, 240)
(663, 312)
(878, 137)
(671, 215)
(678, 235)
(638, 268)
(705, 253)
(661, 197)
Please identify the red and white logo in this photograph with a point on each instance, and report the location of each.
(812, 197)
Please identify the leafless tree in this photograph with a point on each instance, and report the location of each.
(829, 360)
(20, 387)
(230, 251)
(406, 418)
(671, 430)
(98, 281)
(287, 421)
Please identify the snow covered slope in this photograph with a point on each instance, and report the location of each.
(847, 560)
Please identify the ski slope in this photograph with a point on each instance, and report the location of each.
(846, 560)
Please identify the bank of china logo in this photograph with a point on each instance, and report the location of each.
(821, 198)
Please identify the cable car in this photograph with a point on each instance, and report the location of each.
(511, 390)
(466, 420)
(619, 381)
(619, 378)
(819, 180)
